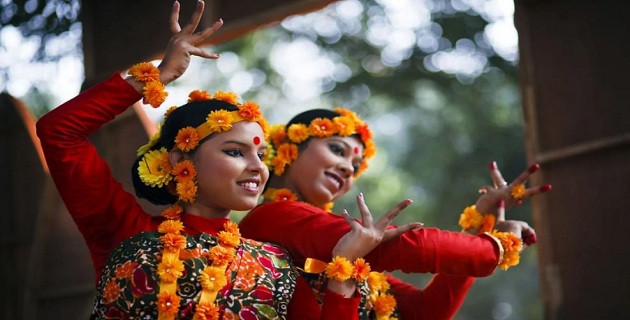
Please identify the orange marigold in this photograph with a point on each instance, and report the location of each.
(345, 126)
(370, 149)
(154, 93)
(512, 245)
(228, 238)
(384, 305)
(187, 191)
(227, 96)
(518, 191)
(169, 111)
(487, 223)
(171, 226)
(207, 311)
(297, 133)
(168, 304)
(322, 128)
(288, 152)
(173, 212)
(250, 111)
(361, 270)
(377, 281)
(170, 269)
(348, 113)
(184, 171)
(364, 130)
(187, 139)
(277, 134)
(362, 168)
(221, 255)
(231, 227)
(219, 120)
(284, 195)
(145, 72)
(199, 95)
(278, 165)
(340, 269)
(470, 218)
(328, 207)
(212, 278)
(173, 242)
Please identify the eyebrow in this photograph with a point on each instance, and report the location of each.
(348, 147)
(240, 143)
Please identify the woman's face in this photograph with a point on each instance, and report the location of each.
(324, 170)
(230, 172)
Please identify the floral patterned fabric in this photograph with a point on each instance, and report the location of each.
(261, 280)
(318, 282)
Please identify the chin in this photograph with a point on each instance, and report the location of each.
(245, 205)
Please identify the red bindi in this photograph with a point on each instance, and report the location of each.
(356, 150)
(256, 140)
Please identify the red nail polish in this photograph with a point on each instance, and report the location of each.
(493, 165)
(533, 168)
(530, 239)
(545, 188)
(519, 202)
(501, 203)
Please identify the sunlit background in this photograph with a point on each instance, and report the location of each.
(436, 79)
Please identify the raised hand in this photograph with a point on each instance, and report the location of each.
(183, 43)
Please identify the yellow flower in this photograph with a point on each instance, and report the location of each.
(328, 207)
(361, 270)
(384, 305)
(170, 269)
(470, 218)
(207, 311)
(221, 255)
(348, 113)
(518, 191)
(220, 120)
(168, 304)
(184, 171)
(378, 281)
(339, 269)
(187, 190)
(228, 238)
(154, 93)
(173, 212)
(249, 111)
(278, 165)
(152, 141)
(297, 133)
(171, 226)
(512, 246)
(212, 278)
(322, 128)
(226, 96)
(173, 242)
(145, 72)
(199, 95)
(277, 134)
(155, 168)
(187, 139)
(345, 126)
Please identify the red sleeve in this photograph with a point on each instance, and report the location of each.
(440, 299)
(309, 232)
(104, 213)
(304, 306)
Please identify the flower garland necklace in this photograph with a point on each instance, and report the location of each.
(284, 194)
(155, 171)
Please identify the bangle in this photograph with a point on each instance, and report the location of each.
(511, 246)
(153, 91)
(340, 269)
(471, 218)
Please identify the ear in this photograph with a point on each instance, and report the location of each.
(175, 156)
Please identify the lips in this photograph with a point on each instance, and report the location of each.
(250, 184)
(335, 179)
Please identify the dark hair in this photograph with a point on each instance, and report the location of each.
(191, 114)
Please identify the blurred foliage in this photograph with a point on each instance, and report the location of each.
(436, 130)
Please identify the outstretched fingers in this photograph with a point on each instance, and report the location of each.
(174, 19)
(399, 230)
(366, 216)
(190, 27)
(388, 217)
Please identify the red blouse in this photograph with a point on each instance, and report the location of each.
(105, 213)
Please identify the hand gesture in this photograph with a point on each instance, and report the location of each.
(519, 228)
(183, 43)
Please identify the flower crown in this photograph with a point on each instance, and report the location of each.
(284, 141)
(155, 169)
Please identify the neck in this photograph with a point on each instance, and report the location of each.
(210, 213)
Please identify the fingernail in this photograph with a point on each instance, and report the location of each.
(493, 165)
(530, 239)
(360, 194)
(533, 168)
(501, 203)
(482, 191)
(545, 188)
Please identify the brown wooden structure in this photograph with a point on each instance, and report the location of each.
(574, 64)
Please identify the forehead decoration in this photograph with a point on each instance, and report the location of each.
(284, 140)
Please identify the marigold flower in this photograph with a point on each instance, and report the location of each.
(173, 242)
(297, 133)
(364, 130)
(340, 269)
(152, 141)
(362, 168)
(219, 120)
(155, 168)
(184, 171)
(277, 134)
(284, 195)
(487, 223)
(168, 304)
(170, 268)
(345, 126)
(212, 278)
(264, 125)
(328, 207)
(187, 190)
(518, 191)
(348, 113)
(361, 270)
(145, 72)
(250, 111)
(187, 139)
(370, 149)
(199, 95)
(207, 311)
(384, 305)
(377, 281)
(169, 111)
(226, 96)
(512, 246)
(322, 128)
(171, 226)
(278, 165)
(231, 227)
(221, 255)
(288, 152)
(154, 93)
(173, 212)
(470, 218)
(228, 238)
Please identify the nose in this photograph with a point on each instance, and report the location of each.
(346, 168)
(256, 165)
